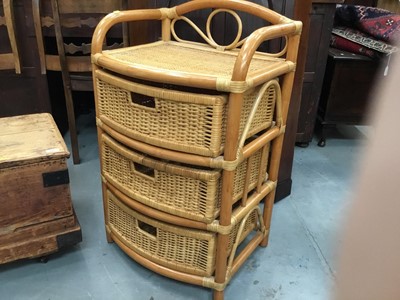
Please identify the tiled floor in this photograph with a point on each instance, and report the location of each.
(299, 262)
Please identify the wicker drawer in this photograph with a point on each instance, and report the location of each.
(182, 121)
(185, 191)
(179, 248)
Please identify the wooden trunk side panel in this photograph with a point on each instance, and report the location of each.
(25, 201)
(21, 235)
(41, 245)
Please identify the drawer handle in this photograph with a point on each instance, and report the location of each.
(143, 170)
(147, 229)
(143, 100)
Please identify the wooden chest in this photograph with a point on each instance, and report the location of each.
(36, 213)
(347, 90)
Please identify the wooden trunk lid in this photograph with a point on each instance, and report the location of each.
(29, 139)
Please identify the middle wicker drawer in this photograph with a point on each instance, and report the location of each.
(185, 191)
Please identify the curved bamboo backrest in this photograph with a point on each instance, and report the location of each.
(10, 60)
(281, 27)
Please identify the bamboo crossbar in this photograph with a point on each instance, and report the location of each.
(260, 142)
(256, 10)
(237, 215)
(189, 278)
(119, 17)
(177, 275)
(181, 157)
(187, 158)
(246, 252)
(154, 213)
(254, 41)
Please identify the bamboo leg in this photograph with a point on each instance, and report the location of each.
(287, 86)
(232, 137)
(218, 295)
(223, 239)
(273, 173)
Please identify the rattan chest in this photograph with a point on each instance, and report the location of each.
(36, 212)
(190, 137)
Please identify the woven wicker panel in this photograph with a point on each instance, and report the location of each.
(265, 111)
(186, 58)
(182, 249)
(184, 191)
(255, 166)
(187, 122)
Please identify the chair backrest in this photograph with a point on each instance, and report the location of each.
(72, 24)
(9, 60)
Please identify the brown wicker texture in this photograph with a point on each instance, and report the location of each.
(179, 248)
(182, 121)
(185, 191)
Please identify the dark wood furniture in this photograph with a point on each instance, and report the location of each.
(26, 92)
(362, 2)
(297, 10)
(321, 22)
(346, 92)
(321, 19)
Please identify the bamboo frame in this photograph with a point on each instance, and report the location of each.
(234, 149)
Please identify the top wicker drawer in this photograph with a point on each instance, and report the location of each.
(182, 121)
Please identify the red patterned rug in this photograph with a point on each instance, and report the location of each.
(379, 23)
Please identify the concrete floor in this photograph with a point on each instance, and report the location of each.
(299, 262)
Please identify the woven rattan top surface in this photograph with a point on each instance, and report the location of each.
(188, 59)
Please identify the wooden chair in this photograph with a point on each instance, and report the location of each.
(72, 24)
(9, 60)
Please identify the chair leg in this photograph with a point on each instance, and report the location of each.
(218, 295)
(72, 124)
(66, 82)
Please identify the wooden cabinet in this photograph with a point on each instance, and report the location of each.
(321, 22)
(297, 10)
(348, 82)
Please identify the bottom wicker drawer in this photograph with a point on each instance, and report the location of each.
(179, 248)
